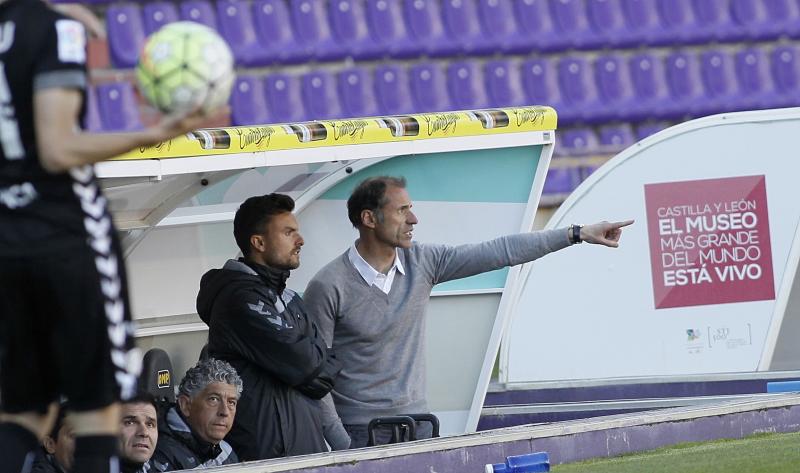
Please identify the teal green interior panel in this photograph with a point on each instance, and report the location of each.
(494, 175)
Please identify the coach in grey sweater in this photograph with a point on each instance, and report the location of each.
(370, 302)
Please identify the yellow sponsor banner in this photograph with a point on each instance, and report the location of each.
(255, 138)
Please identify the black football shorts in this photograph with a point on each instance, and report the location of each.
(65, 330)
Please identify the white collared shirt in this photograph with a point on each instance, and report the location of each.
(370, 275)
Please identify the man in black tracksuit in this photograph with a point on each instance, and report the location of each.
(261, 328)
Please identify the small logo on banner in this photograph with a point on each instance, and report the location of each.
(164, 379)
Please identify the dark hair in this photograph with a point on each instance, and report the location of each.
(142, 397)
(371, 195)
(59, 422)
(254, 214)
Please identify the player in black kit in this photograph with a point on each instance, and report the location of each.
(65, 325)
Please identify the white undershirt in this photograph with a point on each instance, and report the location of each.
(370, 275)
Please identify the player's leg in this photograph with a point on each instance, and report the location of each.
(28, 387)
(96, 359)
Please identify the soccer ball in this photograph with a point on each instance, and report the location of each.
(185, 65)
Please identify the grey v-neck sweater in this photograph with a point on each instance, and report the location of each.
(380, 338)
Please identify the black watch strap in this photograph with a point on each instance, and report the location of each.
(576, 234)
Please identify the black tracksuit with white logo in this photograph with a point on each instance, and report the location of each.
(261, 328)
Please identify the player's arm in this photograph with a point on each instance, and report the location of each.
(62, 144)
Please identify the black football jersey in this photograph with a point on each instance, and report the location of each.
(39, 211)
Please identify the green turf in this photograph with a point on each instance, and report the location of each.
(764, 453)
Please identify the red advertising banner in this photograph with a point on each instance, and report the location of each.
(709, 241)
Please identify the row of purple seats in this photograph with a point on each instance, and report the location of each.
(679, 84)
(565, 174)
(582, 88)
(263, 32)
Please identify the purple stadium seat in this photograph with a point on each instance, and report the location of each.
(715, 16)
(200, 11)
(274, 32)
(651, 93)
(615, 138)
(644, 23)
(571, 20)
(503, 86)
(756, 20)
(429, 88)
(92, 120)
(755, 83)
(461, 23)
(465, 83)
(425, 28)
(536, 26)
(678, 19)
(248, 104)
(562, 178)
(497, 22)
(356, 93)
(578, 89)
(650, 128)
(349, 27)
(284, 101)
(785, 68)
(391, 90)
(310, 22)
(387, 28)
(786, 14)
(125, 34)
(719, 82)
(608, 21)
(119, 111)
(540, 84)
(614, 88)
(158, 14)
(236, 26)
(578, 142)
(319, 96)
(685, 86)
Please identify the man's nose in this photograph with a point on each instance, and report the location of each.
(300, 240)
(412, 218)
(224, 410)
(141, 431)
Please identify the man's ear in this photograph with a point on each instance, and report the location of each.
(184, 404)
(49, 444)
(257, 242)
(368, 218)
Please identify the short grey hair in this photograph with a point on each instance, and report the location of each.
(206, 372)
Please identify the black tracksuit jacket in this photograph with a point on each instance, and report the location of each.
(261, 328)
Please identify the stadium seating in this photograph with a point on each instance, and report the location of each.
(356, 93)
(429, 88)
(284, 100)
(248, 101)
(118, 108)
(200, 11)
(125, 33)
(635, 64)
(392, 92)
(319, 96)
(275, 34)
(157, 14)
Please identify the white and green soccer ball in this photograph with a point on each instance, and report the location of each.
(184, 65)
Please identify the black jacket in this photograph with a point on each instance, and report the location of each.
(43, 462)
(179, 449)
(261, 328)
